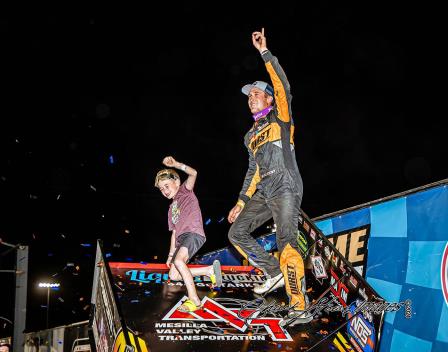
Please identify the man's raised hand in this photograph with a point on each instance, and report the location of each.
(259, 40)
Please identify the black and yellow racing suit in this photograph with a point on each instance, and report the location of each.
(273, 188)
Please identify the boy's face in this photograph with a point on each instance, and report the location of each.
(169, 188)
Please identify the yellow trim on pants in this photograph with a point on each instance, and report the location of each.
(292, 267)
(238, 248)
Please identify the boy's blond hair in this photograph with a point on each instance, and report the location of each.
(166, 174)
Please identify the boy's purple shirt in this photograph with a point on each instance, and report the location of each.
(184, 214)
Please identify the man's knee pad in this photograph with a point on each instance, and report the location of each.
(292, 267)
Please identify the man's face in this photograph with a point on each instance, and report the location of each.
(258, 100)
(4, 349)
(169, 188)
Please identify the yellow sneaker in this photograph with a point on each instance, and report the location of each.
(189, 306)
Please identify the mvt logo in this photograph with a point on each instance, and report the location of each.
(238, 318)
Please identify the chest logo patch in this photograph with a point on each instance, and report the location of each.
(175, 213)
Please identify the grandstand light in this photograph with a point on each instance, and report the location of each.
(48, 285)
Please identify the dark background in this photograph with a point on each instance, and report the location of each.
(94, 99)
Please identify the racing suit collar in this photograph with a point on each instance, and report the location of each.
(262, 113)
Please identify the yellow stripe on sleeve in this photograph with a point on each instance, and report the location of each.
(280, 94)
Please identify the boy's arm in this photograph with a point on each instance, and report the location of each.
(173, 243)
(172, 248)
(192, 173)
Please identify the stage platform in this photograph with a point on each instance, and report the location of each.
(149, 302)
(142, 300)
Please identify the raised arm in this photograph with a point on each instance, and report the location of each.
(192, 173)
(282, 89)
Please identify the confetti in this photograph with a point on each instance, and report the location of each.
(122, 290)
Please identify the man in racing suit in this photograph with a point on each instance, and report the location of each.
(272, 187)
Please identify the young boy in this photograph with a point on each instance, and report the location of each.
(185, 222)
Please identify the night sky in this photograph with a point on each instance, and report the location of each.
(93, 101)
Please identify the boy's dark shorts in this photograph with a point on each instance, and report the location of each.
(192, 241)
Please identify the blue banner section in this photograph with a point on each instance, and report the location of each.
(407, 260)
